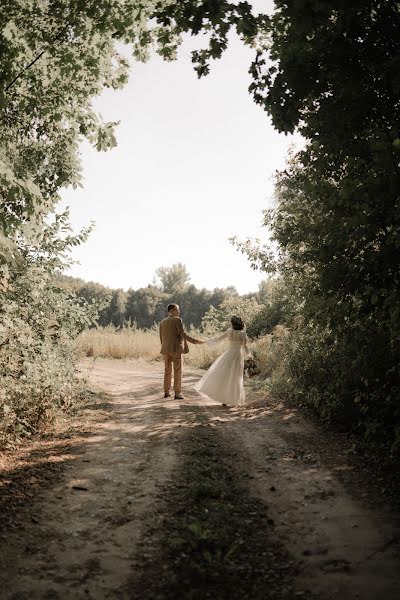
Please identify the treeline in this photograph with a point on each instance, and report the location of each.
(200, 308)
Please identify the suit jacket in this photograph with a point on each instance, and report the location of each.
(173, 336)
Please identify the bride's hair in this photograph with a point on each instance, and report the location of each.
(237, 323)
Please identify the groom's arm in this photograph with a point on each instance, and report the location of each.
(183, 335)
(192, 340)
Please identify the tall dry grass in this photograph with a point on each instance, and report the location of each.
(137, 343)
(125, 343)
(145, 344)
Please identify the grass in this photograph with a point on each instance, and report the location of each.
(145, 344)
(138, 343)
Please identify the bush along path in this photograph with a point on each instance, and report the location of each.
(138, 497)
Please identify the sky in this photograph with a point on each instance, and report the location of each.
(193, 167)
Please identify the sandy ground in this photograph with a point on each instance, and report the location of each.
(139, 497)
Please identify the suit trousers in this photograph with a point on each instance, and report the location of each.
(169, 360)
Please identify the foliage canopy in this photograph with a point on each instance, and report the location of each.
(336, 222)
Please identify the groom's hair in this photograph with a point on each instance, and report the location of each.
(171, 306)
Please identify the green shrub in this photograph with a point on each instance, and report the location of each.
(343, 378)
(38, 324)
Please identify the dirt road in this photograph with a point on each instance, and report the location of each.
(142, 498)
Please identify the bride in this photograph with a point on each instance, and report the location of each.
(224, 379)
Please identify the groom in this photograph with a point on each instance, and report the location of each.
(173, 345)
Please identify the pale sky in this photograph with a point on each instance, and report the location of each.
(193, 167)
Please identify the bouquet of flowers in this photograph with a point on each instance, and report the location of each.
(250, 367)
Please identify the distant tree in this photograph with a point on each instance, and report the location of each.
(96, 293)
(93, 293)
(265, 289)
(193, 303)
(116, 311)
(231, 291)
(218, 295)
(67, 282)
(173, 279)
(218, 319)
(146, 306)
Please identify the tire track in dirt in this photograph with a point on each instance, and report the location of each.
(345, 546)
(79, 537)
(153, 499)
(216, 540)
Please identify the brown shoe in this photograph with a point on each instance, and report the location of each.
(167, 395)
(178, 397)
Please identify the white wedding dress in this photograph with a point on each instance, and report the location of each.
(224, 379)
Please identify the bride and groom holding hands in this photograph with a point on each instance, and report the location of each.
(223, 381)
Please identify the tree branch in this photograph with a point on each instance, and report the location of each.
(59, 34)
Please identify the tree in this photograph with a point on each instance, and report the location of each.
(57, 57)
(146, 306)
(335, 76)
(173, 279)
(117, 310)
(278, 307)
(39, 321)
(265, 290)
(218, 319)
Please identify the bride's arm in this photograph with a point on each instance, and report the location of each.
(246, 348)
(218, 339)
